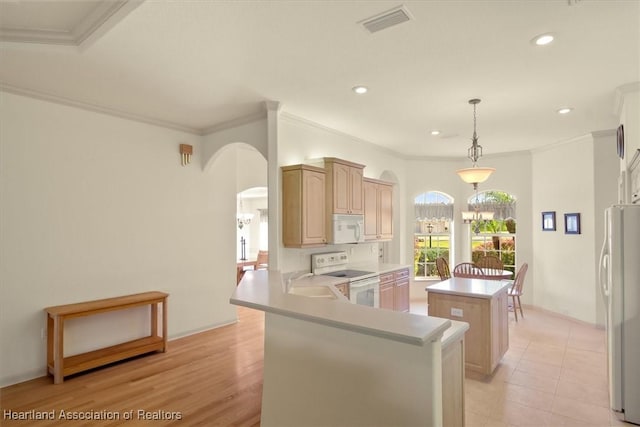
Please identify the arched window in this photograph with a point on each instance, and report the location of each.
(492, 215)
(432, 234)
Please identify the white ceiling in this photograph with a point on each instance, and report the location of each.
(195, 65)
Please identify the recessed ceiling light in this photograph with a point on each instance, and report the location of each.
(542, 39)
(360, 89)
(564, 110)
(435, 132)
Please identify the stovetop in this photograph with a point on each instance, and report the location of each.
(347, 273)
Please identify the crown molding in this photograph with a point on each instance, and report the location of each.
(591, 135)
(260, 115)
(104, 17)
(620, 93)
(97, 108)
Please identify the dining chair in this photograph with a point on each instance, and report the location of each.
(490, 261)
(262, 260)
(467, 269)
(443, 268)
(515, 291)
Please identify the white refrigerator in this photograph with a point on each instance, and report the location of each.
(620, 285)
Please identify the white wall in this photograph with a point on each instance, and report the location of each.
(564, 181)
(95, 206)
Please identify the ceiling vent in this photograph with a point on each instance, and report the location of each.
(387, 19)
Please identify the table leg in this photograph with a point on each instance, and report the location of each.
(154, 319)
(165, 336)
(58, 350)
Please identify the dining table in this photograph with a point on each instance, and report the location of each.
(495, 274)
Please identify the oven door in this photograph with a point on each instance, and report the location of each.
(365, 291)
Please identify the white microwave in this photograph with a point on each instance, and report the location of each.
(348, 229)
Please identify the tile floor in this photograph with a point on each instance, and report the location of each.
(554, 374)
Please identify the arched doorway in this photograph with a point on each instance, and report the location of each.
(253, 223)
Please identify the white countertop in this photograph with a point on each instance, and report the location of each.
(454, 333)
(264, 290)
(476, 288)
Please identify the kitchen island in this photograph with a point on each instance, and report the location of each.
(483, 305)
(329, 362)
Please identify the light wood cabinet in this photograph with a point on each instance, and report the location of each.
(394, 290)
(387, 282)
(344, 186)
(303, 206)
(401, 290)
(488, 337)
(499, 327)
(378, 209)
(344, 289)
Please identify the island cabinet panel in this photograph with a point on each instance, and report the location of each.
(476, 313)
(344, 187)
(488, 337)
(378, 210)
(499, 331)
(303, 206)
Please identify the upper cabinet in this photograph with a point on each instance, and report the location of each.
(311, 195)
(378, 209)
(344, 186)
(303, 206)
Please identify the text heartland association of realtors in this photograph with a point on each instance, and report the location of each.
(139, 414)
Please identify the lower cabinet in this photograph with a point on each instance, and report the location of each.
(401, 290)
(394, 290)
(387, 282)
(344, 289)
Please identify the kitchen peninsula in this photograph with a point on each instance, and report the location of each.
(329, 362)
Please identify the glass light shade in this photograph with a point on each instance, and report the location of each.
(485, 216)
(467, 217)
(475, 175)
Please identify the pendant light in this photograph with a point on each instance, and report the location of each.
(475, 175)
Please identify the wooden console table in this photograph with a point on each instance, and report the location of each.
(60, 366)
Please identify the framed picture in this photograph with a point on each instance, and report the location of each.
(548, 221)
(572, 223)
(620, 141)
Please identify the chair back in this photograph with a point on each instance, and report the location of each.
(490, 261)
(443, 268)
(262, 260)
(467, 269)
(518, 282)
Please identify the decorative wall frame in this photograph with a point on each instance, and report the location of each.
(572, 223)
(549, 221)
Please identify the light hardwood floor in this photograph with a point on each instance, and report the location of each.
(554, 374)
(213, 378)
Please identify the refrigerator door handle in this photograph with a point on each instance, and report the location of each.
(603, 271)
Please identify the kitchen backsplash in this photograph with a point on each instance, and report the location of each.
(300, 259)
